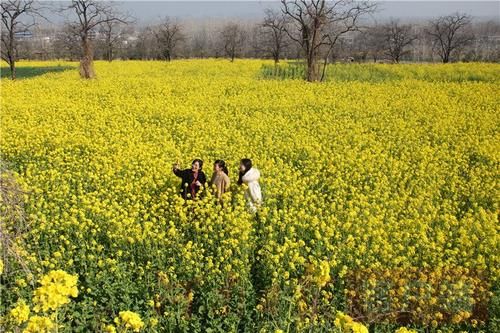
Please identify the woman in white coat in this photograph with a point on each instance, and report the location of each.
(250, 176)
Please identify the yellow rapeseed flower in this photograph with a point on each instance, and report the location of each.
(20, 313)
(37, 324)
(56, 289)
(129, 320)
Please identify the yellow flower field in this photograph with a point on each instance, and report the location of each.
(380, 199)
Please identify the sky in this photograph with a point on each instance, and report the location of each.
(146, 11)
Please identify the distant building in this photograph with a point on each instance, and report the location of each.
(23, 35)
(492, 39)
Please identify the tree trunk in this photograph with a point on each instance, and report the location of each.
(87, 60)
(11, 52)
(12, 65)
(312, 74)
(110, 52)
(445, 53)
(276, 56)
(325, 63)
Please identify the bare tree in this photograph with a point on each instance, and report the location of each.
(233, 38)
(12, 12)
(344, 21)
(319, 24)
(113, 31)
(257, 42)
(397, 37)
(90, 15)
(484, 47)
(145, 48)
(199, 43)
(450, 33)
(275, 37)
(370, 43)
(66, 43)
(168, 34)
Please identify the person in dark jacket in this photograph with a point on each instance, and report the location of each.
(192, 179)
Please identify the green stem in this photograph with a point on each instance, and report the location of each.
(57, 322)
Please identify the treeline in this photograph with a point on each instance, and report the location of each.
(175, 38)
(316, 31)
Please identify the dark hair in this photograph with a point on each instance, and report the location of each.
(222, 165)
(247, 163)
(200, 163)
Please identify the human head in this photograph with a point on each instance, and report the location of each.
(197, 165)
(245, 165)
(220, 165)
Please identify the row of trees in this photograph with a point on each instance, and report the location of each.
(253, 40)
(88, 16)
(317, 31)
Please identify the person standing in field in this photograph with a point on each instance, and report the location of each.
(192, 179)
(220, 178)
(250, 176)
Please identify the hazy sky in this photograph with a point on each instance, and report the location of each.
(146, 11)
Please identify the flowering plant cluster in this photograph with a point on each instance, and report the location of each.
(380, 200)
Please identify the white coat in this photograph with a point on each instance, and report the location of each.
(253, 194)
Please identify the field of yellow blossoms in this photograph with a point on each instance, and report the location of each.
(381, 199)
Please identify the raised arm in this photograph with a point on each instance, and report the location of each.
(178, 172)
